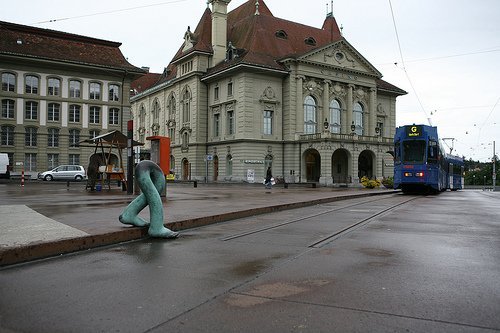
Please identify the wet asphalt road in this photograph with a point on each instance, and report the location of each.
(412, 264)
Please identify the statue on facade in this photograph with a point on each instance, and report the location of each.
(152, 182)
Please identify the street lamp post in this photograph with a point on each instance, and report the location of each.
(494, 176)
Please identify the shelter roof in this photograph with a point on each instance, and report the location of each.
(114, 139)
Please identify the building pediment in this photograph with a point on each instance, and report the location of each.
(341, 55)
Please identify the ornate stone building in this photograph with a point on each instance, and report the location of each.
(59, 89)
(248, 90)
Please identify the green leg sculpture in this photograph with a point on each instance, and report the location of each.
(151, 182)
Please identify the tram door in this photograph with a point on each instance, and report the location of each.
(450, 176)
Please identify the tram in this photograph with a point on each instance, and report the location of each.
(455, 172)
(420, 164)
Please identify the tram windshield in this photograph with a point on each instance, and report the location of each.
(413, 151)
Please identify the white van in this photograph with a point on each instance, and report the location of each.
(4, 166)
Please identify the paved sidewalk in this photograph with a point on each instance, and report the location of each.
(47, 219)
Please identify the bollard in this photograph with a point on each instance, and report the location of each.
(195, 183)
(22, 177)
(67, 185)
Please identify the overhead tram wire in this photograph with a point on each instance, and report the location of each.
(111, 11)
(489, 114)
(445, 56)
(404, 66)
(485, 121)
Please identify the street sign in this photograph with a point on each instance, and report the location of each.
(210, 157)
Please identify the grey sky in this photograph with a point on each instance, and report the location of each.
(450, 48)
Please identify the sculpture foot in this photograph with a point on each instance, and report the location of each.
(163, 233)
(137, 221)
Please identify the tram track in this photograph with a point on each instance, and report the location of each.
(324, 240)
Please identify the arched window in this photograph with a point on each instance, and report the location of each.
(114, 93)
(31, 84)
(172, 164)
(75, 89)
(185, 140)
(335, 117)
(310, 41)
(310, 122)
(142, 116)
(186, 106)
(171, 107)
(155, 121)
(95, 90)
(156, 112)
(8, 82)
(53, 86)
(358, 118)
(281, 34)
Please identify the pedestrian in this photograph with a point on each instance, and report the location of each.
(93, 171)
(269, 176)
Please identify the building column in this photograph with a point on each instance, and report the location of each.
(326, 102)
(299, 118)
(373, 111)
(350, 89)
(325, 178)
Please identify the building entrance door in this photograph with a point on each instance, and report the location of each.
(185, 169)
(365, 164)
(313, 165)
(340, 167)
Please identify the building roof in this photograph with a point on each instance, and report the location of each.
(261, 40)
(266, 39)
(43, 44)
(144, 82)
(386, 86)
(256, 36)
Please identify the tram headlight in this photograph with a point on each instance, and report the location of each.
(408, 174)
(419, 174)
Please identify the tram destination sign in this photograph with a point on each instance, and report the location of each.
(414, 131)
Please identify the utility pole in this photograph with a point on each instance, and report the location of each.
(494, 171)
(130, 157)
